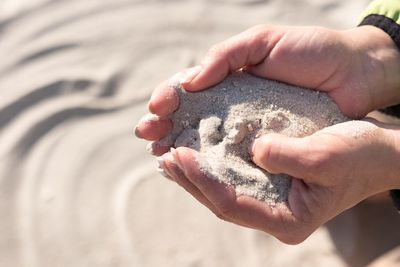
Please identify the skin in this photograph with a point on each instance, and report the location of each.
(334, 168)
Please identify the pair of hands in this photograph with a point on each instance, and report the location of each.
(335, 168)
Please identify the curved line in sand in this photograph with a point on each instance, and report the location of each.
(121, 195)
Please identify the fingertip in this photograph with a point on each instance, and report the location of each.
(150, 106)
(136, 132)
(164, 100)
(169, 166)
(263, 150)
(188, 160)
(183, 151)
(184, 157)
(282, 154)
(187, 76)
(211, 74)
(157, 148)
(162, 168)
(153, 128)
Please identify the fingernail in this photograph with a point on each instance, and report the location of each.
(161, 167)
(190, 74)
(174, 154)
(252, 148)
(137, 133)
(165, 167)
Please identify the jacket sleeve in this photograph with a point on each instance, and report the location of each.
(385, 14)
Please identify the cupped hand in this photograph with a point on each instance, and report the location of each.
(334, 169)
(358, 68)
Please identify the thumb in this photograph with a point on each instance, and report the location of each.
(245, 49)
(297, 157)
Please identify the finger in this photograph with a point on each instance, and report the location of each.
(157, 148)
(151, 127)
(164, 100)
(248, 48)
(162, 169)
(217, 192)
(242, 210)
(178, 176)
(295, 61)
(298, 157)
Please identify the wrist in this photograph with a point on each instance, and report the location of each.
(378, 58)
(382, 166)
(391, 169)
(396, 173)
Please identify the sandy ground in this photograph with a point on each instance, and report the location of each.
(77, 189)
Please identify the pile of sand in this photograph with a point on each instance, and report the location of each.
(222, 122)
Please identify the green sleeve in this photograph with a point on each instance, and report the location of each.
(388, 8)
(384, 14)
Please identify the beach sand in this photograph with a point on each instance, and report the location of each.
(78, 189)
(223, 121)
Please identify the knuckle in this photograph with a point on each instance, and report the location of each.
(236, 55)
(217, 50)
(318, 162)
(231, 51)
(258, 44)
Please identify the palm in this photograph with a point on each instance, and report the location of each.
(290, 222)
(317, 58)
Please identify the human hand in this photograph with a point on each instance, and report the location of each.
(358, 68)
(334, 169)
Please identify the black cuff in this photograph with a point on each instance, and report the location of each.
(393, 110)
(386, 24)
(395, 194)
(393, 30)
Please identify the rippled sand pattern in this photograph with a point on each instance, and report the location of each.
(76, 188)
